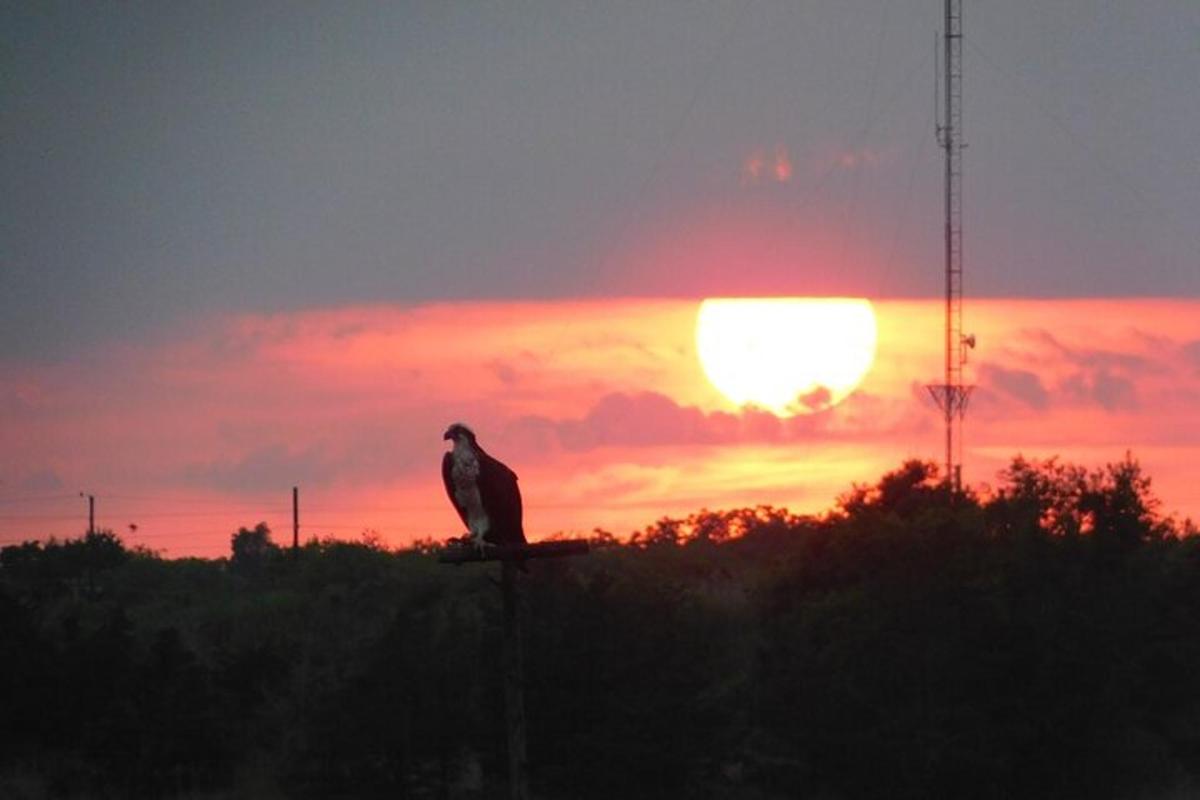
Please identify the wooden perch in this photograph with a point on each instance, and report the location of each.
(460, 553)
(463, 550)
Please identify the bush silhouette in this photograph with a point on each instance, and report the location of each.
(1035, 640)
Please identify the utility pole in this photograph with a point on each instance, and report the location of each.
(91, 513)
(952, 394)
(295, 520)
(514, 687)
(511, 657)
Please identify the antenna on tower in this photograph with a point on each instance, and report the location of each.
(952, 394)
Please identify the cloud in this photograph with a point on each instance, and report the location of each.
(761, 167)
(511, 371)
(651, 419)
(22, 397)
(850, 159)
(601, 407)
(1112, 379)
(1091, 358)
(643, 419)
(1019, 384)
(783, 165)
(363, 451)
(647, 418)
(42, 480)
(269, 467)
(1102, 387)
(816, 400)
(764, 167)
(1191, 353)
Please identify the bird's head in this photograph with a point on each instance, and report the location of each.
(459, 432)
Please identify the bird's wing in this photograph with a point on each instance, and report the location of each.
(502, 498)
(447, 465)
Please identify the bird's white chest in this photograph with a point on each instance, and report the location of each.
(464, 473)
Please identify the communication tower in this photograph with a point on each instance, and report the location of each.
(952, 394)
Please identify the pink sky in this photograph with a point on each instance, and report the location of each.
(601, 406)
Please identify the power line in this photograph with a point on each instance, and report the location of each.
(174, 498)
(43, 498)
(37, 517)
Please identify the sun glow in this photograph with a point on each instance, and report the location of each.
(787, 355)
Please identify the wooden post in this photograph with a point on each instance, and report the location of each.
(514, 689)
(295, 519)
(462, 553)
(91, 512)
(509, 556)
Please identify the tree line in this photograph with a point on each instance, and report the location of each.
(1037, 640)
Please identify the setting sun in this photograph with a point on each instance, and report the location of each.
(787, 355)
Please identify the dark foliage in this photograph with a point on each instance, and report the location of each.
(1039, 641)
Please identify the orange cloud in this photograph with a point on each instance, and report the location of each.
(783, 165)
(753, 168)
(759, 167)
(601, 406)
(861, 158)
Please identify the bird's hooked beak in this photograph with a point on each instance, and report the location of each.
(459, 432)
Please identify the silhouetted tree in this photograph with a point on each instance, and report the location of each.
(1039, 640)
(252, 549)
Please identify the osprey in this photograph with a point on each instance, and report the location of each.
(483, 491)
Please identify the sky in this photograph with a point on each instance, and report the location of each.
(603, 407)
(249, 246)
